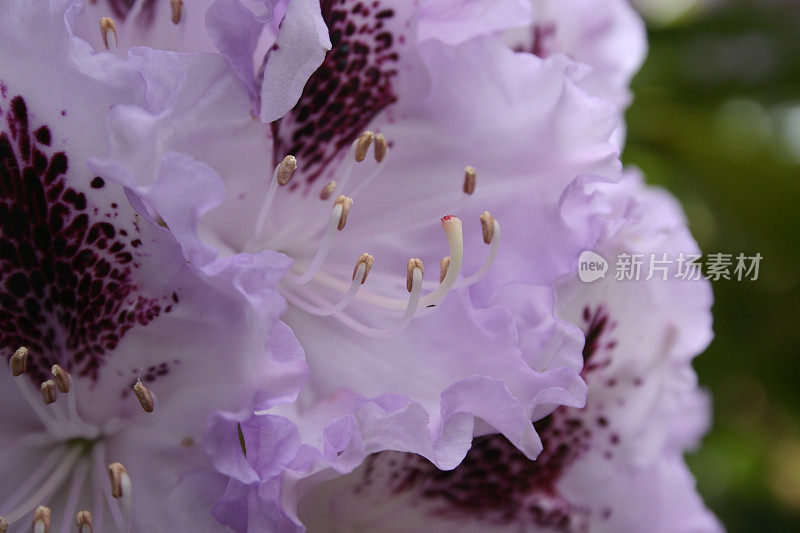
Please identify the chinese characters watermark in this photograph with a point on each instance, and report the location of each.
(635, 267)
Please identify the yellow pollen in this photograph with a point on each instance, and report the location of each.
(19, 361)
(367, 260)
(115, 473)
(413, 263)
(469, 180)
(177, 8)
(327, 190)
(144, 396)
(61, 378)
(346, 203)
(487, 225)
(49, 394)
(107, 24)
(381, 147)
(444, 265)
(362, 145)
(286, 169)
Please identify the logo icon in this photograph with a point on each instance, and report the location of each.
(591, 266)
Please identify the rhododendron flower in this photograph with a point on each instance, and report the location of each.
(615, 465)
(394, 362)
(391, 180)
(116, 352)
(607, 36)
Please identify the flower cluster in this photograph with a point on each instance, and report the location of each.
(220, 229)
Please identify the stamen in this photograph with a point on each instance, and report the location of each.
(99, 482)
(357, 154)
(346, 204)
(88, 430)
(335, 222)
(144, 396)
(18, 364)
(177, 7)
(121, 490)
(360, 272)
(61, 378)
(107, 24)
(49, 394)
(366, 260)
(469, 180)
(492, 234)
(3, 525)
(381, 147)
(19, 361)
(327, 190)
(487, 225)
(280, 176)
(408, 315)
(75, 489)
(48, 488)
(83, 519)
(41, 520)
(455, 239)
(413, 264)
(362, 145)
(444, 265)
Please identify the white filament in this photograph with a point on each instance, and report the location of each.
(98, 456)
(322, 252)
(48, 488)
(400, 325)
(369, 179)
(37, 405)
(455, 240)
(262, 214)
(75, 488)
(332, 309)
(487, 264)
(47, 465)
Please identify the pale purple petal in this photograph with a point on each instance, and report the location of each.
(235, 31)
(456, 21)
(300, 48)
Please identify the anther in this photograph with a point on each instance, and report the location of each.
(469, 180)
(487, 225)
(413, 263)
(144, 396)
(61, 378)
(41, 520)
(286, 169)
(3, 525)
(83, 519)
(177, 8)
(367, 260)
(118, 475)
(107, 24)
(381, 147)
(49, 394)
(19, 361)
(346, 203)
(327, 190)
(444, 265)
(362, 145)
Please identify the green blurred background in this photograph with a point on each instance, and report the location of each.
(716, 119)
